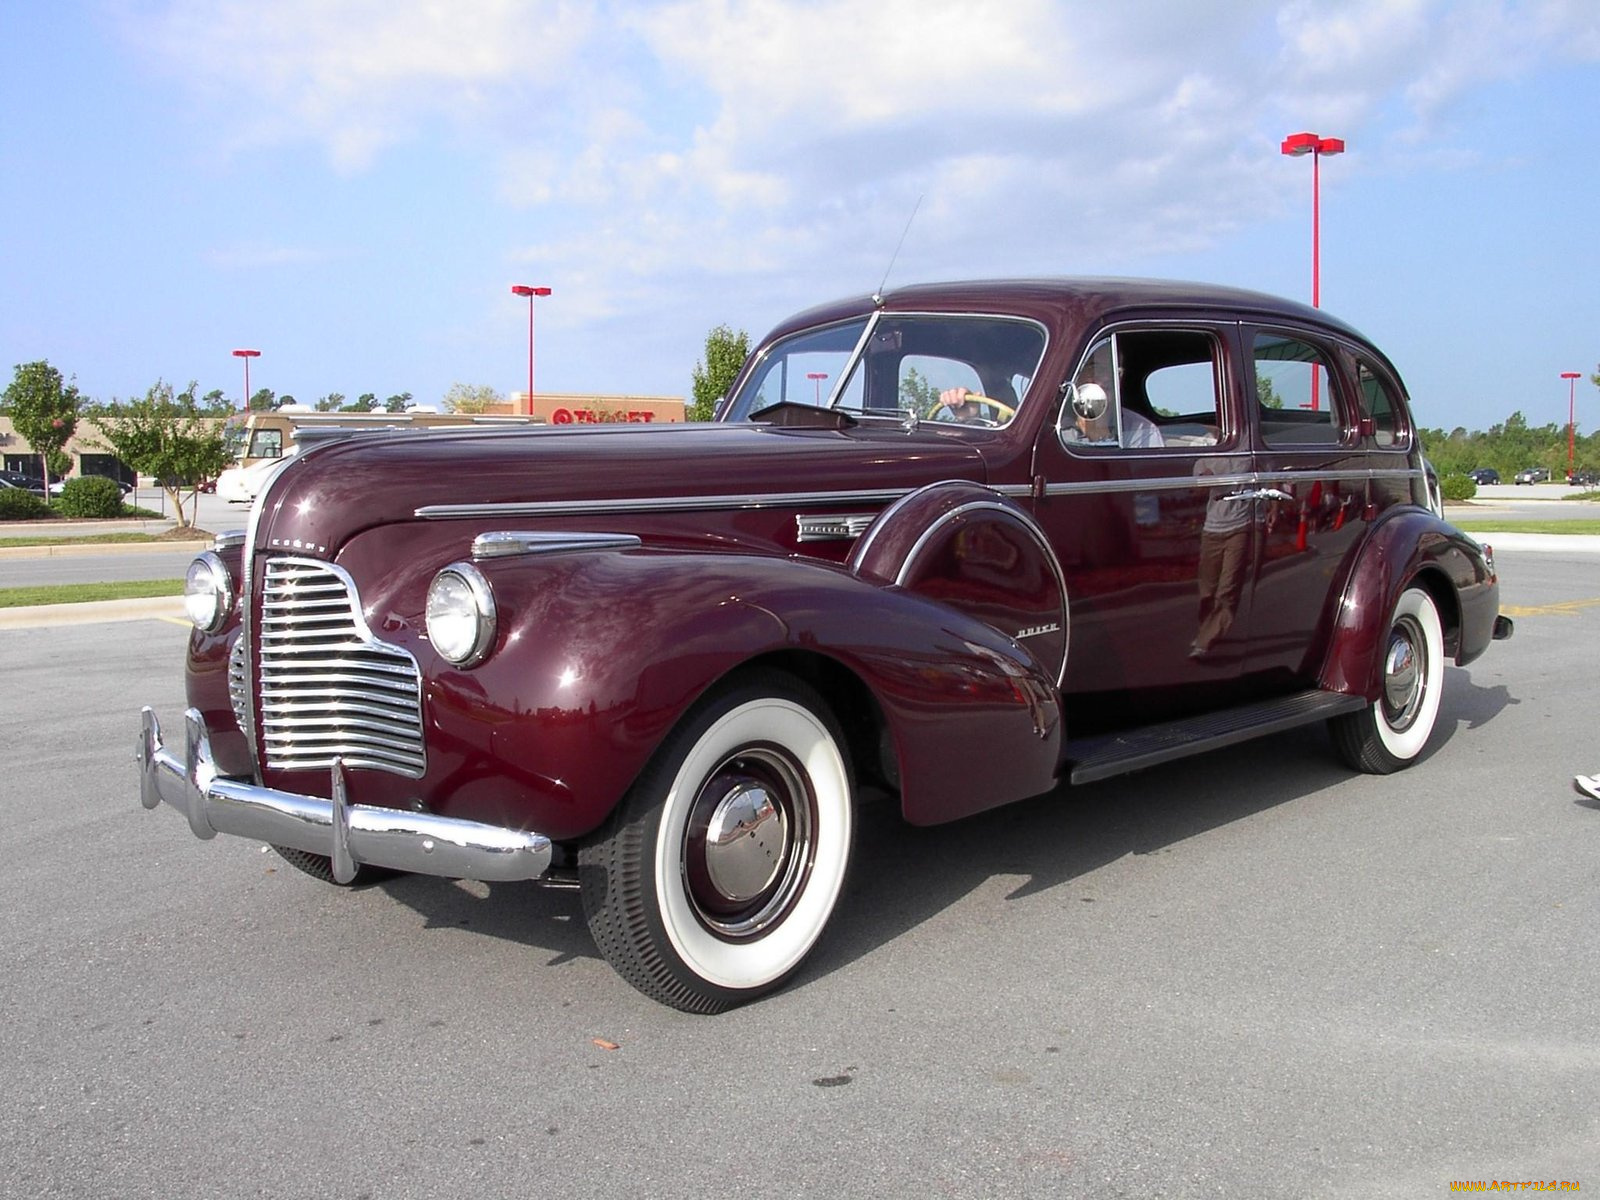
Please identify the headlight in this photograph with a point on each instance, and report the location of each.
(207, 593)
(460, 614)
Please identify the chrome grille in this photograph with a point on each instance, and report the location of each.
(239, 683)
(329, 689)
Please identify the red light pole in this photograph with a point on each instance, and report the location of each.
(522, 289)
(1572, 415)
(1296, 145)
(817, 377)
(247, 355)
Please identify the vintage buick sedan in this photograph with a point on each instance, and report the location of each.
(961, 543)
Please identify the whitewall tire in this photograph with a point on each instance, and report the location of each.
(1393, 731)
(721, 867)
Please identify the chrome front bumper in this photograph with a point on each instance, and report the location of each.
(349, 835)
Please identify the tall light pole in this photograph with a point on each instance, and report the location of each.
(1572, 414)
(522, 289)
(817, 377)
(247, 355)
(1296, 145)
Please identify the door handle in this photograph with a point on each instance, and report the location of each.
(1268, 493)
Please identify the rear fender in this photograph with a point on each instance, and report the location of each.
(1410, 546)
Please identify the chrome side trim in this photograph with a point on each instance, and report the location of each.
(228, 539)
(654, 504)
(1253, 479)
(350, 835)
(836, 527)
(511, 543)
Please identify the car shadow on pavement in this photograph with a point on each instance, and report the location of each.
(904, 876)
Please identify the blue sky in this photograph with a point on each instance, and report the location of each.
(352, 186)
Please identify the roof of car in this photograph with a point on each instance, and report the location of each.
(1086, 298)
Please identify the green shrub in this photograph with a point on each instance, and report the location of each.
(90, 496)
(1458, 487)
(17, 504)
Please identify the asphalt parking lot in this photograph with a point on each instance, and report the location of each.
(1251, 974)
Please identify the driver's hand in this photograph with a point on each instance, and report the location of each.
(954, 399)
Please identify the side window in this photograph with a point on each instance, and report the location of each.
(1146, 390)
(1294, 393)
(267, 443)
(1379, 405)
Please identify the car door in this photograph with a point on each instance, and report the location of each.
(1316, 494)
(1148, 436)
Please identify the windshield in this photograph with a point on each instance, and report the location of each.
(970, 369)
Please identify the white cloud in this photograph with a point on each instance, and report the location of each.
(356, 75)
(742, 139)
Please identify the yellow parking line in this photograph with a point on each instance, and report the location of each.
(1567, 608)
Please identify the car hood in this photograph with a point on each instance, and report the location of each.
(335, 490)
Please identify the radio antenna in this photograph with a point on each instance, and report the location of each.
(877, 296)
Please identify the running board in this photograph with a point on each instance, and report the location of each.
(1111, 754)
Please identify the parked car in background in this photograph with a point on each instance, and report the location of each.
(28, 483)
(959, 543)
(1533, 475)
(1484, 475)
(57, 485)
(1583, 477)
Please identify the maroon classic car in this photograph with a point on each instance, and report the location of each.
(964, 543)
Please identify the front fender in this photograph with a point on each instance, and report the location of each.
(601, 654)
(1411, 545)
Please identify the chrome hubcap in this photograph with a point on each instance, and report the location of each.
(748, 844)
(1404, 674)
(745, 840)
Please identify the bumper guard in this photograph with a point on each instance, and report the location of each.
(350, 835)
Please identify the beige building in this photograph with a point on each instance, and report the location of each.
(88, 457)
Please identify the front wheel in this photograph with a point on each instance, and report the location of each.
(720, 868)
(1391, 732)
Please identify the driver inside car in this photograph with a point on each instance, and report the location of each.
(995, 405)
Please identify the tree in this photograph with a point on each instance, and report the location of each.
(398, 402)
(714, 375)
(918, 393)
(44, 410)
(332, 402)
(215, 403)
(263, 401)
(1267, 395)
(167, 436)
(366, 402)
(471, 398)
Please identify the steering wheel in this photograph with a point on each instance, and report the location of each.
(1003, 412)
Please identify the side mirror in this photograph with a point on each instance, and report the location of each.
(1088, 400)
(720, 408)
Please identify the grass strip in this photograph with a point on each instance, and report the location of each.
(1493, 525)
(92, 539)
(84, 593)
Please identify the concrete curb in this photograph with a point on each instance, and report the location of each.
(1544, 543)
(80, 550)
(42, 616)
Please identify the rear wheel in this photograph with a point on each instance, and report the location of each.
(1391, 732)
(719, 870)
